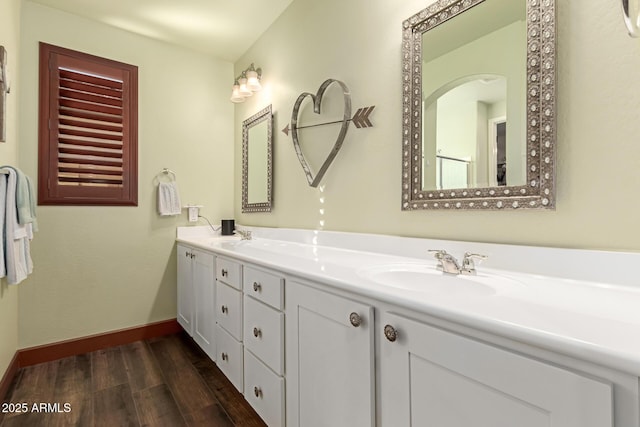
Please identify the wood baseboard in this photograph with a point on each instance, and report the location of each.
(54, 351)
(8, 376)
(48, 352)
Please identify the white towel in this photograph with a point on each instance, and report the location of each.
(3, 204)
(168, 199)
(17, 255)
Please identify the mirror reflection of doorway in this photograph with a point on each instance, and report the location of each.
(497, 152)
(501, 153)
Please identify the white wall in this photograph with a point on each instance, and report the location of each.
(359, 42)
(10, 39)
(104, 268)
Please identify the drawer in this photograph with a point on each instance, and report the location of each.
(229, 309)
(264, 390)
(264, 333)
(267, 287)
(230, 357)
(229, 272)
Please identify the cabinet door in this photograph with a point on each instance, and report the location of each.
(264, 333)
(263, 286)
(229, 309)
(230, 358)
(185, 289)
(431, 377)
(264, 390)
(204, 290)
(229, 272)
(329, 361)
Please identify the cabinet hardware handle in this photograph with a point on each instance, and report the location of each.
(257, 332)
(225, 310)
(257, 391)
(193, 255)
(390, 333)
(256, 286)
(355, 319)
(224, 356)
(186, 253)
(224, 273)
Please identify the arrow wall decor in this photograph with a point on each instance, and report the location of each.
(360, 120)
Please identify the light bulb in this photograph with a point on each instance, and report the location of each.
(244, 90)
(253, 83)
(235, 94)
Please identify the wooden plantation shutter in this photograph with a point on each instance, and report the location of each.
(88, 129)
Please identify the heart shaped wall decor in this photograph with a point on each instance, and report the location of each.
(317, 102)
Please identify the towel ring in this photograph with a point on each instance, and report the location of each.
(168, 172)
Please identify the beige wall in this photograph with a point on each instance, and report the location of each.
(104, 268)
(10, 39)
(100, 269)
(359, 42)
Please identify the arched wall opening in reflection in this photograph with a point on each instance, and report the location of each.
(474, 85)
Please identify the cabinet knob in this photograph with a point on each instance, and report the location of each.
(225, 310)
(257, 332)
(390, 333)
(355, 319)
(224, 273)
(224, 356)
(193, 255)
(257, 391)
(186, 253)
(256, 287)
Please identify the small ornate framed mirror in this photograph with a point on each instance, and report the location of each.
(257, 162)
(479, 105)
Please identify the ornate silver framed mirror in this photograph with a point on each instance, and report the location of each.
(479, 127)
(257, 162)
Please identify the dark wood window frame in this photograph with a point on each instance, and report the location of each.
(88, 129)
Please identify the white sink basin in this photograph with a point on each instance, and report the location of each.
(426, 278)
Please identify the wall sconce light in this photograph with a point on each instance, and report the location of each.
(246, 83)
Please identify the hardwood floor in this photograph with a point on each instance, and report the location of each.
(166, 381)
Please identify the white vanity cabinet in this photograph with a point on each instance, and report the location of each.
(196, 296)
(430, 376)
(330, 359)
(310, 346)
(264, 384)
(185, 288)
(230, 355)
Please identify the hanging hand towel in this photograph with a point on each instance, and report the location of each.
(168, 199)
(18, 263)
(25, 198)
(3, 205)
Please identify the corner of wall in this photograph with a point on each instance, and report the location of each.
(10, 39)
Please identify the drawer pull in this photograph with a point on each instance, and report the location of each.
(225, 310)
(257, 287)
(224, 273)
(257, 332)
(355, 319)
(390, 333)
(225, 356)
(257, 391)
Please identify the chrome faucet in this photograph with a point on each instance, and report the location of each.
(468, 266)
(448, 264)
(244, 234)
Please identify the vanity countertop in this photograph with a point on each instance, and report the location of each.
(594, 320)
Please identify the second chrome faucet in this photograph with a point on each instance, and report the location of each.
(450, 265)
